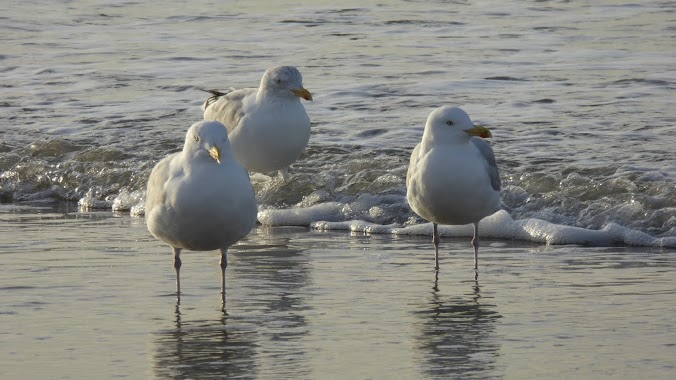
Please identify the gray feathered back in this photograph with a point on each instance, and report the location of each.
(487, 152)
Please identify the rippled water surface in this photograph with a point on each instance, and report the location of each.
(91, 295)
(579, 96)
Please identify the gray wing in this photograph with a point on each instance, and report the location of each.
(487, 153)
(156, 193)
(227, 108)
(414, 160)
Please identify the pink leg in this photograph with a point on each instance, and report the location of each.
(177, 267)
(224, 264)
(475, 244)
(435, 240)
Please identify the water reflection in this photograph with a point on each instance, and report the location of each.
(260, 333)
(276, 277)
(457, 335)
(205, 349)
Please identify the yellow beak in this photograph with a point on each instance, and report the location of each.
(303, 93)
(215, 153)
(480, 131)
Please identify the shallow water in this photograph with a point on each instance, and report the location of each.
(579, 96)
(91, 295)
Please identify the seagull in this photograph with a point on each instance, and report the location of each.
(452, 177)
(267, 126)
(201, 198)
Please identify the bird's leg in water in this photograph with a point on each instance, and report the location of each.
(435, 240)
(177, 266)
(224, 264)
(475, 244)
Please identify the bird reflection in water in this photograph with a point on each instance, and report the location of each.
(275, 280)
(262, 329)
(205, 349)
(457, 337)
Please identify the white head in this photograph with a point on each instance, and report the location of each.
(452, 125)
(284, 81)
(208, 140)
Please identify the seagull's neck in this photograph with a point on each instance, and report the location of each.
(274, 96)
(197, 157)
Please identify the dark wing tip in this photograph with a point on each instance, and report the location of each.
(215, 94)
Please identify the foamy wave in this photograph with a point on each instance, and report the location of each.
(129, 200)
(92, 203)
(497, 226)
(301, 216)
(501, 226)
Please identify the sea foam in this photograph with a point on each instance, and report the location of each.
(501, 225)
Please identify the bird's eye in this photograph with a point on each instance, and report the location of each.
(278, 81)
(449, 122)
(197, 138)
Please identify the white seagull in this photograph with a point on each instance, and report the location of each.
(267, 126)
(452, 177)
(201, 199)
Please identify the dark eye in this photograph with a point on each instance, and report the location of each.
(278, 81)
(449, 122)
(197, 138)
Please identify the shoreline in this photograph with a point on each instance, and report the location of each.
(95, 292)
(499, 226)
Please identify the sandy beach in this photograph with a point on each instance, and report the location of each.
(91, 295)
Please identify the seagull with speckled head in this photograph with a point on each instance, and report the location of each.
(452, 176)
(267, 126)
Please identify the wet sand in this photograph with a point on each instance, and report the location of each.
(91, 295)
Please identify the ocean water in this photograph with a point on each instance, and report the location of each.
(91, 295)
(576, 273)
(579, 96)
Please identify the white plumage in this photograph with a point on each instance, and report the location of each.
(267, 126)
(201, 198)
(452, 176)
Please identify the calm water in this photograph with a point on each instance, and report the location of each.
(579, 96)
(90, 295)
